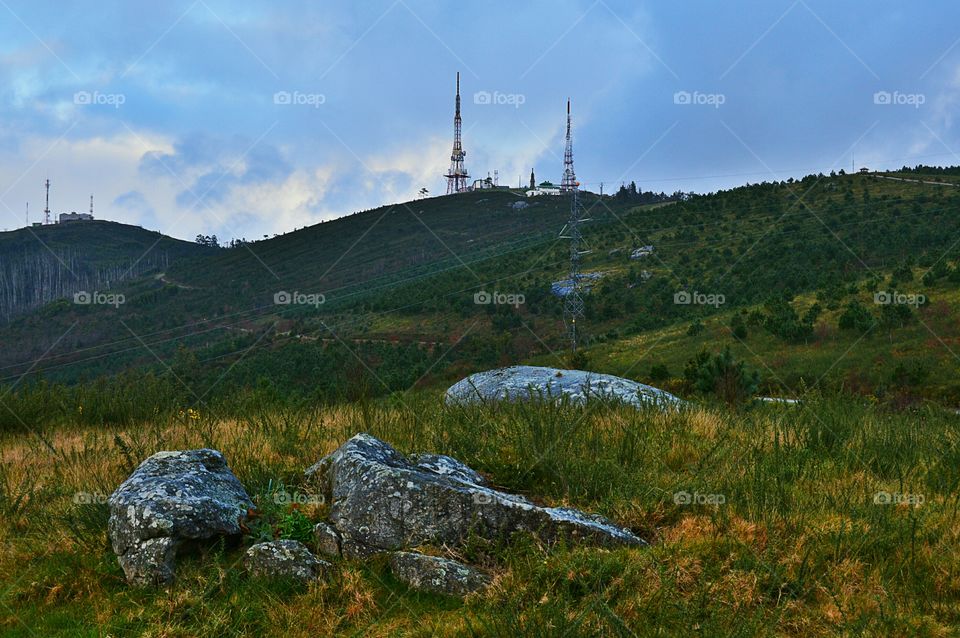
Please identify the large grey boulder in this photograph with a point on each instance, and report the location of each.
(382, 501)
(284, 559)
(518, 383)
(172, 498)
(436, 574)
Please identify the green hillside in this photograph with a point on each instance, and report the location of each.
(43, 263)
(784, 273)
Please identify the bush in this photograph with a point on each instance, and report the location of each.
(856, 317)
(738, 327)
(782, 321)
(659, 372)
(722, 375)
(578, 360)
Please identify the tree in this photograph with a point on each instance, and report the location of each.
(855, 316)
(210, 241)
(723, 376)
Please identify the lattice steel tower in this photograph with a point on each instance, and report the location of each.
(573, 301)
(569, 181)
(457, 175)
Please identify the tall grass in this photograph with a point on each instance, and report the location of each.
(785, 533)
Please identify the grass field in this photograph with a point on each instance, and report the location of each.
(823, 519)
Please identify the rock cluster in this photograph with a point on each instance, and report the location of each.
(382, 502)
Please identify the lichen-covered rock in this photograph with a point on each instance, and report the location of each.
(381, 501)
(519, 383)
(284, 559)
(327, 539)
(171, 498)
(438, 575)
(448, 466)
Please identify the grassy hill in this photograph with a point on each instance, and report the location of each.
(786, 274)
(44, 263)
(836, 516)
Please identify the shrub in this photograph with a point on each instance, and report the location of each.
(659, 372)
(722, 375)
(856, 317)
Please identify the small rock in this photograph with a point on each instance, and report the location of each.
(172, 498)
(327, 539)
(438, 575)
(640, 253)
(284, 559)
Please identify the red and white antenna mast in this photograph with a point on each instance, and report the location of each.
(457, 175)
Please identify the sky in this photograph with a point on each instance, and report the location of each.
(249, 118)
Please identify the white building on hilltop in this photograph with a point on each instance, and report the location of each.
(545, 188)
(75, 217)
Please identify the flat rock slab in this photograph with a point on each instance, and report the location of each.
(284, 559)
(519, 383)
(436, 574)
(383, 501)
(172, 498)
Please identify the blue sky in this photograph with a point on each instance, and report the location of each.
(169, 112)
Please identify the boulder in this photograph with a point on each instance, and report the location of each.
(586, 280)
(518, 383)
(640, 253)
(437, 575)
(284, 559)
(382, 501)
(172, 498)
(327, 539)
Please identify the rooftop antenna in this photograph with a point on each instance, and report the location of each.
(91, 204)
(457, 175)
(26, 217)
(46, 211)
